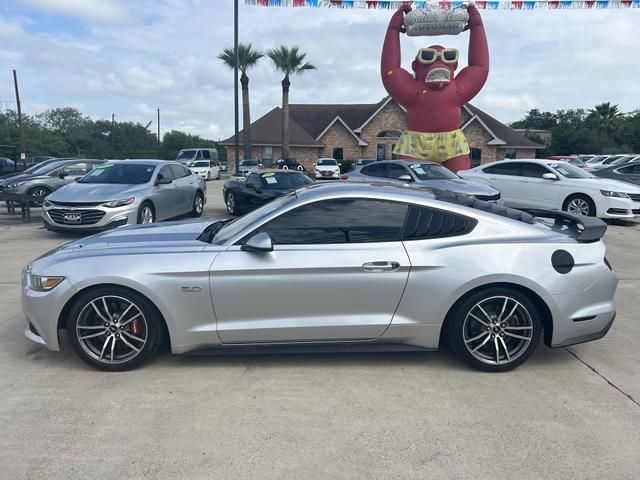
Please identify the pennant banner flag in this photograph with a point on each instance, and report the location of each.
(486, 5)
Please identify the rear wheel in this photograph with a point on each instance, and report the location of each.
(580, 205)
(198, 205)
(495, 329)
(114, 329)
(39, 194)
(146, 213)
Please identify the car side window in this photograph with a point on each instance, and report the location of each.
(198, 155)
(179, 171)
(375, 170)
(630, 170)
(346, 220)
(504, 169)
(165, 172)
(76, 169)
(395, 171)
(534, 170)
(205, 154)
(423, 223)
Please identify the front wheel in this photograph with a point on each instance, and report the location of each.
(580, 205)
(198, 205)
(114, 329)
(230, 202)
(38, 194)
(494, 330)
(146, 214)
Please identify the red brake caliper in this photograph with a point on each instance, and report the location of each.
(136, 327)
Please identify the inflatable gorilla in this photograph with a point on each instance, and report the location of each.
(433, 97)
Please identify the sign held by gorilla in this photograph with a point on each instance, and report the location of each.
(432, 96)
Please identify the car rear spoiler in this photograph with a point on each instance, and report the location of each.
(584, 229)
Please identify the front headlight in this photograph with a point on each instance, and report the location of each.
(43, 284)
(608, 193)
(119, 203)
(15, 184)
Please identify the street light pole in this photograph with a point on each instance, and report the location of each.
(235, 88)
(23, 153)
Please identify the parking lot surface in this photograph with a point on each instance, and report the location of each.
(567, 413)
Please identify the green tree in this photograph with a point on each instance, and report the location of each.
(290, 61)
(247, 58)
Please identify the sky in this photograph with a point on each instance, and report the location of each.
(129, 57)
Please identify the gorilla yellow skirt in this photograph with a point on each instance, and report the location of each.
(436, 147)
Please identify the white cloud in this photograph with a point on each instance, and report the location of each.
(163, 54)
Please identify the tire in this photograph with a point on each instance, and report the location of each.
(496, 349)
(38, 194)
(579, 203)
(208, 176)
(121, 341)
(146, 213)
(230, 202)
(218, 177)
(198, 205)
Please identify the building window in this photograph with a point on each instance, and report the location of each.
(267, 156)
(337, 154)
(509, 153)
(381, 151)
(476, 157)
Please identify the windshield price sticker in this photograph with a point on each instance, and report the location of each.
(418, 168)
(271, 179)
(106, 165)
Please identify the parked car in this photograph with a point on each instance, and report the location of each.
(605, 162)
(621, 161)
(361, 162)
(629, 172)
(595, 159)
(39, 159)
(30, 169)
(7, 165)
(243, 195)
(289, 163)
(125, 192)
(47, 178)
(327, 168)
(248, 166)
(206, 169)
(557, 186)
(188, 155)
(370, 268)
(223, 165)
(421, 175)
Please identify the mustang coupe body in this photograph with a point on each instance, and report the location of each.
(364, 267)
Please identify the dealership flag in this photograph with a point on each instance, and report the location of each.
(487, 5)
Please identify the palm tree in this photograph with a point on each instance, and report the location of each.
(289, 61)
(247, 58)
(605, 116)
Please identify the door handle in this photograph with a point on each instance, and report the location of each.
(378, 267)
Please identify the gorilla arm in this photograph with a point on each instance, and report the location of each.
(473, 77)
(398, 82)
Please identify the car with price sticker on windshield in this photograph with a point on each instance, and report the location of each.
(125, 192)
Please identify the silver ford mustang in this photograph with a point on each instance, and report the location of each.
(330, 267)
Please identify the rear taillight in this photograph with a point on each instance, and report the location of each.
(344, 177)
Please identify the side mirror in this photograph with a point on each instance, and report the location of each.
(550, 176)
(61, 175)
(163, 181)
(254, 187)
(260, 165)
(339, 164)
(314, 164)
(260, 242)
(405, 178)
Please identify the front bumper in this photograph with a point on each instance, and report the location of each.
(585, 315)
(327, 175)
(91, 219)
(613, 207)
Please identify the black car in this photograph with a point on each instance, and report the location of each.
(241, 196)
(628, 173)
(7, 165)
(289, 163)
(361, 162)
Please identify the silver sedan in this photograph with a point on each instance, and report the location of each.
(125, 192)
(330, 267)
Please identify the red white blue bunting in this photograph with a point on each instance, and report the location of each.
(486, 5)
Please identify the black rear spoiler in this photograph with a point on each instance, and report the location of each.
(585, 229)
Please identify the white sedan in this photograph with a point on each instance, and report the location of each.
(554, 185)
(206, 169)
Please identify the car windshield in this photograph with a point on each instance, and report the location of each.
(120, 173)
(427, 171)
(576, 162)
(200, 164)
(186, 155)
(327, 161)
(249, 163)
(274, 180)
(232, 229)
(46, 169)
(569, 171)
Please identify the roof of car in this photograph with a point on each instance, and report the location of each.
(276, 170)
(148, 161)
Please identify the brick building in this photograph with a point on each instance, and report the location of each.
(350, 132)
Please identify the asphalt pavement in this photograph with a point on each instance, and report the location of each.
(567, 413)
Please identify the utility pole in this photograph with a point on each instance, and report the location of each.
(113, 130)
(23, 153)
(235, 88)
(158, 126)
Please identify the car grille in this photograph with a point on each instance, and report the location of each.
(488, 198)
(634, 196)
(326, 173)
(87, 217)
(76, 204)
(636, 211)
